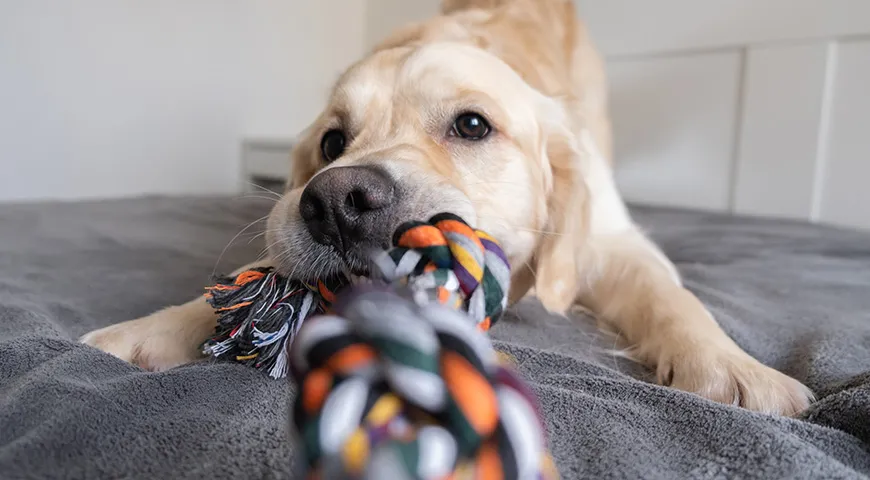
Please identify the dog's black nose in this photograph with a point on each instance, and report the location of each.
(348, 207)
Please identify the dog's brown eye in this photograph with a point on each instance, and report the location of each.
(470, 126)
(332, 145)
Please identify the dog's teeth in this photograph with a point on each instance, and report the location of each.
(360, 280)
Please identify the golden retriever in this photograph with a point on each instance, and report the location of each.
(496, 111)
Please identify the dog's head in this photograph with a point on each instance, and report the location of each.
(425, 127)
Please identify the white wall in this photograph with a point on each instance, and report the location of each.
(383, 16)
(737, 105)
(104, 98)
(742, 106)
(756, 107)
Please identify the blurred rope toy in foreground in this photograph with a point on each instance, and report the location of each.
(396, 379)
(392, 389)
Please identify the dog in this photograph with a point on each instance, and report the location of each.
(497, 111)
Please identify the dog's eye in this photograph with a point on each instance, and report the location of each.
(470, 126)
(332, 145)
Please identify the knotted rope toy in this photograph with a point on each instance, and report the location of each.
(447, 261)
(396, 379)
(391, 389)
(259, 311)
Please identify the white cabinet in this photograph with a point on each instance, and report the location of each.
(845, 176)
(744, 106)
(782, 138)
(674, 124)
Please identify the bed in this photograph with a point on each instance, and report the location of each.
(795, 296)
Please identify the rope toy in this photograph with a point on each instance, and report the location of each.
(259, 313)
(443, 260)
(390, 389)
(449, 262)
(396, 379)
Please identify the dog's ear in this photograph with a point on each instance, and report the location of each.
(556, 259)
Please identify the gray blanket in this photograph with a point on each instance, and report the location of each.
(795, 296)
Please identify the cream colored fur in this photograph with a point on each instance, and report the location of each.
(542, 184)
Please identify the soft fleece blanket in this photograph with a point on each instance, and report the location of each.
(796, 296)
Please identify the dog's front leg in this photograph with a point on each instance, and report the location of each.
(164, 339)
(634, 288)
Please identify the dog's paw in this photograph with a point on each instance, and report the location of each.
(734, 377)
(154, 342)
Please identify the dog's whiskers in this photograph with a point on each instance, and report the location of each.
(266, 249)
(224, 251)
(271, 199)
(264, 232)
(256, 237)
(265, 190)
(505, 223)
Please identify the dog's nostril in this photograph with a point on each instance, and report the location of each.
(357, 200)
(361, 200)
(311, 209)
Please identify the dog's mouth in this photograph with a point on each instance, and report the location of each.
(356, 269)
(352, 265)
(353, 270)
(309, 261)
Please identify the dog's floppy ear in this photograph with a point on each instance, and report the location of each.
(556, 257)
